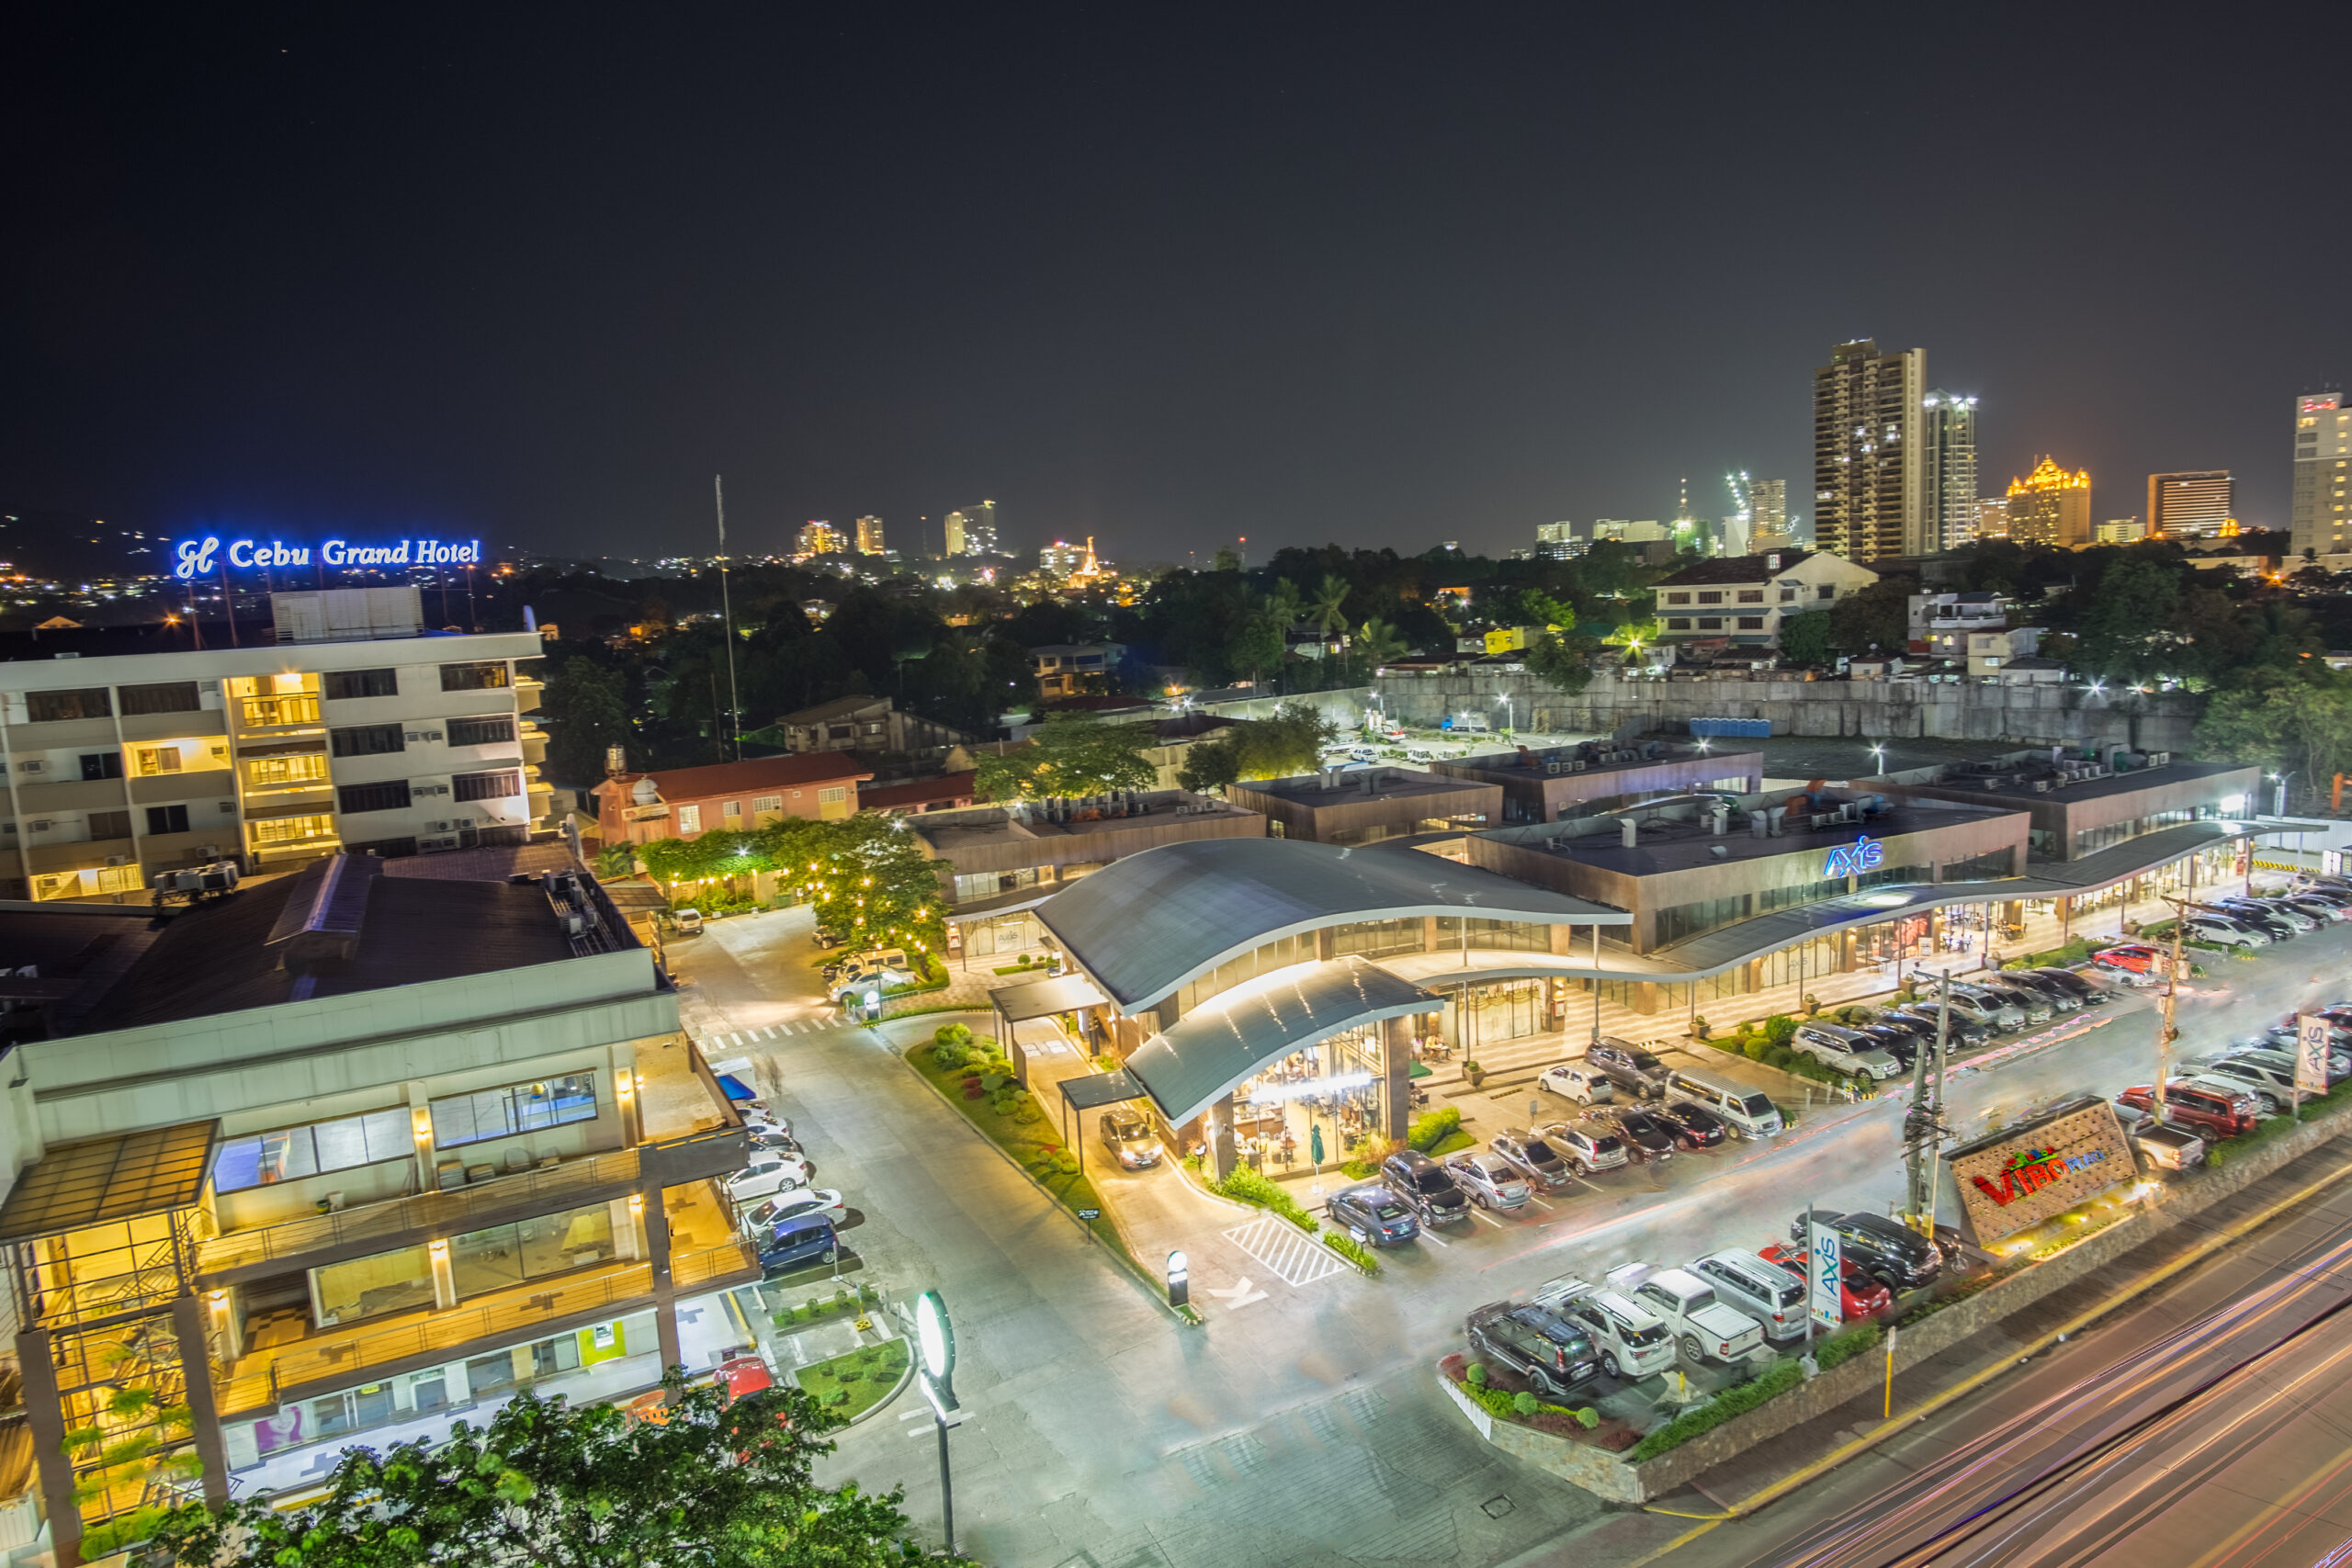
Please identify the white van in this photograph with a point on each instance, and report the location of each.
(1747, 1111)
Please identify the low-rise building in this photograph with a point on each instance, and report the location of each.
(686, 802)
(1363, 805)
(354, 729)
(1941, 624)
(348, 1155)
(914, 798)
(2080, 804)
(862, 724)
(1990, 652)
(1069, 669)
(1548, 784)
(1744, 598)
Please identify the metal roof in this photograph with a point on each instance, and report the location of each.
(1190, 1065)
(1043, 998)
(74, 1186)
(1089, 1092)
(1144, 925)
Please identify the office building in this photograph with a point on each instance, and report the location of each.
(1646, 532)
(1868, 458)
(819, 537)
(1558, 541)
(2119, 531)
(869, 536)
(2191, 505)
(1993, 517)
(348, 1157)
(1768, 516)
(2317, 516)
(1948, 470)
(971, 530)
(2050, 506)
(354, 729)
(1060, 558)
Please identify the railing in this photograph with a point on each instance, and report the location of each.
(268, 713)
(446, 1211)
(689, 1269)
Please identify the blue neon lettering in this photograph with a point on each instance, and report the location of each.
(1850, 860)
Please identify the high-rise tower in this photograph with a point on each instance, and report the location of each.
(1948, 470)
(1867, 454)
(2317, 516)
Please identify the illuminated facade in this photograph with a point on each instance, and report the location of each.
(2194, 505)
(819, 537)
(1947, 470)
(2050, 506)
(869, 536)
(1993, 517)
(971, 530)
(2318, 516)
(1868, 458)
(1767, 515)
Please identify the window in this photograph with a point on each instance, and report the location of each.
(1679, 921)
(1716, 597)
(1751, 595)
(1677, 622)
(522, 1107)
(109, 824)
(488, 732)
(383, 848)
(259, 1159)
(261, 713)
(344, 684)
(766, 803)
(690, 818)
(486, 786)
(366, 740)
(55, 708)
(1514, 936)
(154, 759)
(372, 1286)
(507, 1255)
(1710, 622)
(163, 696)
(1980, 868)
(833, 796)
(167, 819)
(293, 830)
(392, 796)
(1376, 938)
(101, 764)
(1751, 623)
(484, 677)
(1677, 598)
(299, 767)
(732, 811)
(1827, 590)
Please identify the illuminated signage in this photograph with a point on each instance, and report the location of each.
(201, 558)
(1269, 1094)
(2040, 1171)
(1851, 860)
(2030, 1170)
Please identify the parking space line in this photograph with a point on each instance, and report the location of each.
(1428, 1234)
(1533, 1199)
(1488, 1218)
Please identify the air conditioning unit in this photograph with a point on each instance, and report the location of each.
(438, 827)
(2159, 759)
(446, 841)
(2041, 786)
(33, 766)
(43, 825)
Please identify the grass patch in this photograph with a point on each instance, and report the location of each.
(848, 1386)
(1452, 1143)
(845, 1303)
(1036, 1146)
(1427, 1132)
(2078, 951)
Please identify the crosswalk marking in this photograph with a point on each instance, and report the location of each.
(1295, 1257)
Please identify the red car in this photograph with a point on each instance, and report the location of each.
(2207, 1112)
(2136, 956)
(1859, 1295)
(742, 1375)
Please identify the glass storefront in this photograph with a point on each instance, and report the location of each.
(372, 1286)
(507, 1255)
(1334, 1085)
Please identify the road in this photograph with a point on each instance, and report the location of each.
(1302, 1424)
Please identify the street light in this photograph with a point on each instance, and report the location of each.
(1878, 752)
(1507, 710)
(935, 1338)
(2278, 797)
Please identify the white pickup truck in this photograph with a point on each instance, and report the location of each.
(1703, 1327)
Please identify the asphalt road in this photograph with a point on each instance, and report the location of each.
(2210, 1425)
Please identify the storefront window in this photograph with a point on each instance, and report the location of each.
(1511, 936)
(529, 1249)
(1276, 955)
(1377, 939)
(1986, 867)
(372, 1286)
(1893, 875)
(1677, 921)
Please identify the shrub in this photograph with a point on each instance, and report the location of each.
(1348, 1247)
(1754, 1050)
(1698, 1028)
(952, 1033)
(1844, 1346)
(1433, 1128)
(1776, 1380)
(992, 1080)
(1067, 1163)
(1778, 1055)
(1525, 1403)
(1780, 1028)
(1359, 1169)
(1247, 1186)
(1477, 1375)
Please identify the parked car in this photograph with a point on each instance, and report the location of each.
(1998, 1015)
(797, 1244)
(2323, 910)
(1490, 1182)
(2225, 931)
(1843, 1050)
(1632, 1341)
(1574, 1080)
(768, 1174)
(1128, 1138)
(766, 1136)
(1963, 1031)
(1552, 1354)
(2061, 998)
(1695, 1126)
(1870, 1018)
(1859, 1295)
(2027, 999)
(1749, 1113)
(1628, 1066)
(2266, 1102)
(2282, 1053)
(1533, 1158)
(1704, 1328)
(1372, 1214)
(2131, 958)
(1586, 1150)
(2279, 921)
(2088, 991)
(1893, 1039)
(687, 922)
(2210, 1113)
(1761, 1290)
(2160, 1147)
(2274, 1081)
(1425, 1187)
(792, 1204)
(1648, 1136)
(1889, 1251)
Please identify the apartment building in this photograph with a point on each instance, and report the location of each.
(344, 1156)
(355, 728)
(686, 802)
(1868, 458)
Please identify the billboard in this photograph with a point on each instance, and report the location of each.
(2041, 1168)
(1825, 1265)
(2310, 1052)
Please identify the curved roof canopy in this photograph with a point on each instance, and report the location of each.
(1144, 925)
(1190, 1065)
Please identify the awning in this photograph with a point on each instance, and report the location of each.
(1190, 1065)
(1043, 998)
(1089, 1092)
(155, 1171)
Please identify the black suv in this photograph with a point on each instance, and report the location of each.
(1552, 1354)
(1424, 1187)
(1964, 1031)
(1628, 1066)
(1887, 1250)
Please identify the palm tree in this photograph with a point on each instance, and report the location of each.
(1377, 642)
(1282, 611)
(1330, 606)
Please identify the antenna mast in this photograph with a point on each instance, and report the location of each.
(727, 622)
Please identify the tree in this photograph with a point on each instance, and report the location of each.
(712, 1484)
(1073, 754)
(2130, 621)
(1377, 643)
(1289, 743)
(585, 715)
(2301, 726)
(1330, 606)
(1877, 617)
(1562, 661)
(1804, 638)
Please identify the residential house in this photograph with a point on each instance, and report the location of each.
(685, 802)
(1068, 669)
(862, 724)
(1744, 599)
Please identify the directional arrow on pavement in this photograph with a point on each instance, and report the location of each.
(1239, 1295)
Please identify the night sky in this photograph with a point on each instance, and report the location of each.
(1386, 276)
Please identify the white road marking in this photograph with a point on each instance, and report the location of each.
(1428, 1234)
(1488, 1218)
(1533, 1198)
(1239, 1294)
(1295, 1257)
(911, 1415)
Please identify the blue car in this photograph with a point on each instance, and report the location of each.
(796, 1243)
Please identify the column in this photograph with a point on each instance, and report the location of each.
(420, 1115)
(46, 1421)
(445, 1278)
(1396, 1076)
(1222, 1155)
(665, 1293)
(196, 1370)
(1327, 943)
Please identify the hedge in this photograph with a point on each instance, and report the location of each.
(1348, 1247)
(2220, 1152)
(1247, 1186)
(1428, 1132)
(1775, 1380)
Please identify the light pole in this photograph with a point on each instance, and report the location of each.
(935, 1339)
(2279, 795)
(1878, 756)
(1507, 710)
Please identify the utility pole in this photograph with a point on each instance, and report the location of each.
(1923, 1123)
(2167, 1033)
(727, 622)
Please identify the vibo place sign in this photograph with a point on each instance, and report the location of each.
(200, 558)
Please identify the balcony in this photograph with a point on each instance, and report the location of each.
(279, 714)
(315, 1239)
(527, 693)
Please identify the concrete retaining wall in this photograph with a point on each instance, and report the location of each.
(2026, 716)
(1654, 1478)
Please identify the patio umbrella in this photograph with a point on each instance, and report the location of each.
(1315, 1142)
(1420, 1070)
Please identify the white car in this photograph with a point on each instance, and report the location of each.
(2223, 930)
(1706, 1328)
(794, 1203)
(1574, 1080)
(1843, 1050)
(1491, 1183)
(768, 1174)
(1632, 1341)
